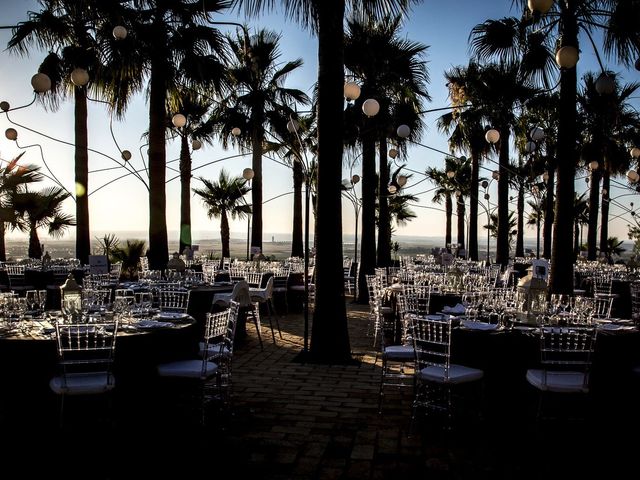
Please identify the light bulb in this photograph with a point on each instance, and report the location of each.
(371, 107)
(247, 173)
(126, 155)
(235, 131)
(11, 133)
(79, 77)
(403, 131)
(40, 82)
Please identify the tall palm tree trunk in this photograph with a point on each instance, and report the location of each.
(473, 206)
(384, 220)
(3, 246)
(548, 215)
(158, 242)
(83, 238)
(460, 212)
(562, 258)
(448, 212)
(329, 335)
(297, 246)
(502, 243)
(368, 236)
(224, 234)
(35, 249)
(594, 201)
(604, 222)
(185, 194)
(520, 233)
(257, 137)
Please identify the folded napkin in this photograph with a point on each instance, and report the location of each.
(478, 325)
(153, 324)
(458, 309)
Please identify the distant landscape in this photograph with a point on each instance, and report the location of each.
(275, 245)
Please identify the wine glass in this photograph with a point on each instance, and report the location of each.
(42, 299)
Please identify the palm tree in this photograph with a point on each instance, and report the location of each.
(392, 71)
(501, 92)
(580, 217)
(256, 96)
(224, 198)
(293, 146)
(606, 123)
(542, 111)
(164, 38)
(42, 209)
(66, 28)
(130, 256)
(443, 192)
(464, 125)
(329, 335)
(614, 246)
(539, 34)
(13, 179)
(493, 227)
(535, 216)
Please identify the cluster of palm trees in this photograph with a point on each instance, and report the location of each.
(231, 88)
(28, 210)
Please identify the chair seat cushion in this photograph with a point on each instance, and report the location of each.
(399, 352)
(82, 383)
(258, 295)
(187, 369)
(457, 374)
(562, 382)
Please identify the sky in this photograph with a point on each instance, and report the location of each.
(123, 204)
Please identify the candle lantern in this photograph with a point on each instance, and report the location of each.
(531, 297)
(71, 299)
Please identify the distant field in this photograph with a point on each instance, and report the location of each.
(17, 249)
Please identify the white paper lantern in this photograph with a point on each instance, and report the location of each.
(451, 174)
(119, 32)
(633, 176)
(635, 152)
(247, 173)
(79, 77)
(235, 131)
(11, 133)
(392, 189)
(536, 134)
(126, 155)
(605, 84)
(403, 131)
(179, 120)
(351, 91)
(541, 6)
(292, 126)
(41, 82)
(371, 107)
(530, 147)
(355, 179)
(4, 106)
(593, 165)
(567, 56)
(492, 136)
(402, 180)
(393, 153)
(196, 144)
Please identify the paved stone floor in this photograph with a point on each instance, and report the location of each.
(290, 420)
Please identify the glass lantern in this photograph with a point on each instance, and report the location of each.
(532, 297)
(71, 300)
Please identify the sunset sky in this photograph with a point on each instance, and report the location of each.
(123, 205)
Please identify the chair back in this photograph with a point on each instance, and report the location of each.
(417, 299)
(86, 349)
(569, 348)
(432, 342)
(254, 279)
(173, 300)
